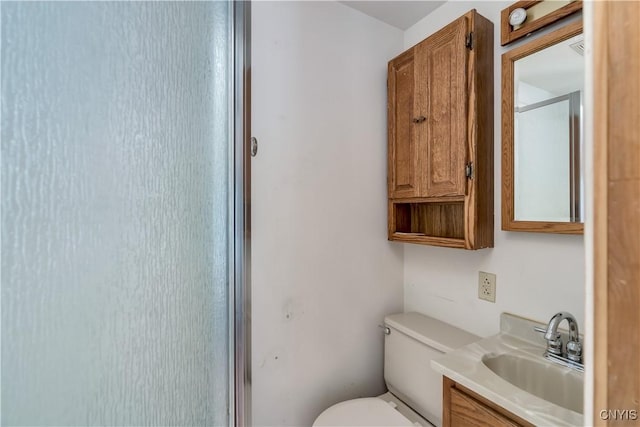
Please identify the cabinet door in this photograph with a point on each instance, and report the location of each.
(466, 411)
(441, 97)
(404, 179)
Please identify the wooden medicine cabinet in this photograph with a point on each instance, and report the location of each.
(440, 138)
(542, 173)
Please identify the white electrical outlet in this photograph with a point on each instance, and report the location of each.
(487, 286)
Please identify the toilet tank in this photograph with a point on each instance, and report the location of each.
(414, 340)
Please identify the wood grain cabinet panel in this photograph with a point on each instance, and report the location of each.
(403, 165)
(466, 411)
(440, 124)
(441, 97)
(462, 408)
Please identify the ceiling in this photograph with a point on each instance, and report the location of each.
(558, 69)
(400, 14)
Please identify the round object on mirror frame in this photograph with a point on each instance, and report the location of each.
(517, 16)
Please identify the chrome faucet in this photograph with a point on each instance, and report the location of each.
(571, 355)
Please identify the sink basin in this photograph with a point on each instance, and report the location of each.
(540, 377)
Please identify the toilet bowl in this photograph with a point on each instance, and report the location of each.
(415, 390)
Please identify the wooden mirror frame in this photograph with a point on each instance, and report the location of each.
(508, 59)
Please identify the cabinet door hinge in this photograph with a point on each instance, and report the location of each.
(468, 170)
(468, 41)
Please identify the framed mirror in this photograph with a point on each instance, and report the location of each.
(542, 92)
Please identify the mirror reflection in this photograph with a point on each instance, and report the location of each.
(548, 93)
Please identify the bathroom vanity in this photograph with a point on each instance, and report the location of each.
(505, 380)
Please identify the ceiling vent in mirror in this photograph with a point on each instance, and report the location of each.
(578, 46)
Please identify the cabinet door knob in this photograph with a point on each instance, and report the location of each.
(419, 119)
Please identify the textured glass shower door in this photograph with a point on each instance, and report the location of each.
(117, 213)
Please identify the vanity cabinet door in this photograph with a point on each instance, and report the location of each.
(466, 411)
(462, 407)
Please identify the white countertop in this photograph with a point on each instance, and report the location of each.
(465, 367)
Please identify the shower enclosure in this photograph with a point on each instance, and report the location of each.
(547, 159)
(124, 213)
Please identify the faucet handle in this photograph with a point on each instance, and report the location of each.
(574, 351)
(544, 331)
(554, 345)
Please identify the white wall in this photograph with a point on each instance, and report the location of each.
(323, 272)
(537, 274)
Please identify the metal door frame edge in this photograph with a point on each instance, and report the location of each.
(241, 381)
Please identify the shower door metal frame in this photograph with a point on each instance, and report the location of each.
(240, 300)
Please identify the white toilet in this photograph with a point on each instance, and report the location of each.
(415, 390)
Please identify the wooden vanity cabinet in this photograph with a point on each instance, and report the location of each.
(462, 407)
(440, 138)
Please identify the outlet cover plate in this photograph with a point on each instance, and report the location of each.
(487, 286)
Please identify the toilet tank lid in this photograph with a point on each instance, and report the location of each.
(432, 332)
